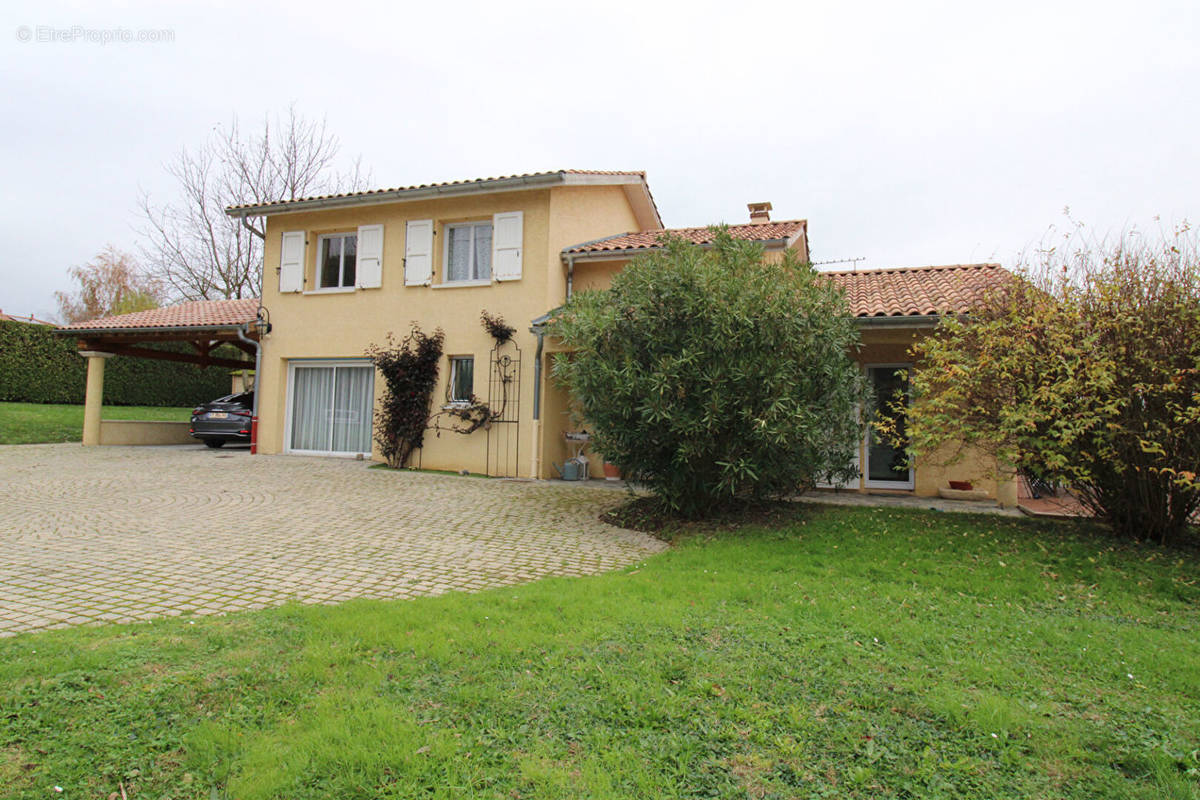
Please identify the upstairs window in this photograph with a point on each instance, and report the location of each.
(337, 261)
(469, 252)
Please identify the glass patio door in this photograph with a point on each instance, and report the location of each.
(331, 408)
(886, 465)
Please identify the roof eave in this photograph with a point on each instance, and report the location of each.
(900, 321)
(488, 186)
(608, 255)
(155, 329)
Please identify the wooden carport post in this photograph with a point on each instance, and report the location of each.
(94, 398)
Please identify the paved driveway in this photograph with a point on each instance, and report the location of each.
(131, 533)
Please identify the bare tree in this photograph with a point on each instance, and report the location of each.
(112, 283)
(200, 253)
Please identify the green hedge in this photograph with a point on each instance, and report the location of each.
(37, 366)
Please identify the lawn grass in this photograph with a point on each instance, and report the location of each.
(38, 423)
(852, 652)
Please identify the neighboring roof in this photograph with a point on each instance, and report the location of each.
(919, 291)
(449, 188)
(31, 319)
(198, 314)
(783, 231)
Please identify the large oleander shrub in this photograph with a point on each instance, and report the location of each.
(712, 375)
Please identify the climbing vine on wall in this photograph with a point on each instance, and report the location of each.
(496, 327)
(410, 372)
(474, 414)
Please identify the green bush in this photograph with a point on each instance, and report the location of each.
(410, 372)
(710, 375)
(38, 366)
(1085, 372)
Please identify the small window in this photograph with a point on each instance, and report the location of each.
(337, 258)
(469, 252)
(462, 379)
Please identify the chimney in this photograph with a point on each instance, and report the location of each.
(759, 212)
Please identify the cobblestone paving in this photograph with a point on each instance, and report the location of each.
(114, 534)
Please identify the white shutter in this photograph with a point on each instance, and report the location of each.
(369, 270)
(291, 262)
(507, 236)
(418, 253)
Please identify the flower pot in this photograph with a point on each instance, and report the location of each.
(611, 472)
(961, 486)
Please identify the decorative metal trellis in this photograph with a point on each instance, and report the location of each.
(504, 400)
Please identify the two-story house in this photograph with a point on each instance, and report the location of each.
(343, 271)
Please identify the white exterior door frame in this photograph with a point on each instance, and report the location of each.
(866, 459)
(290, 403)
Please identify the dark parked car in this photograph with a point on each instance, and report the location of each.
(226, 419)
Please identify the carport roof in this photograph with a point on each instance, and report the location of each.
(203, 324)
(197, 315)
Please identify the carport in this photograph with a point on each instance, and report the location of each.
(202, 324)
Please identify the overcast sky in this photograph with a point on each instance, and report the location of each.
(906, 133)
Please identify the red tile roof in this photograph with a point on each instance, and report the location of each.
(646, 240)
(917, 291)
(444, 184)
(194, 314)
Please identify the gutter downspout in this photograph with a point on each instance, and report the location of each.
(536, 465)
(570, 275)
(257, 348)
(260, 234)
(257, 372)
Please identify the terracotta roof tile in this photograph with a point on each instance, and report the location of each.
(443, 184)
(646, 240)
(916, 291)
(193, 314)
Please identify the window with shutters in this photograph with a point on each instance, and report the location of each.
(337, 260)
(468, 252)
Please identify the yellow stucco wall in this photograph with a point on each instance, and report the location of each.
(139, 432)
(596, 275)
(576, 212)
(343, 324)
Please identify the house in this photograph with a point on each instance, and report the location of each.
(343, 271)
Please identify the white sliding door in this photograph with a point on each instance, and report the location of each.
(330, 407)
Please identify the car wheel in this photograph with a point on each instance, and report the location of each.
(214, 443)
